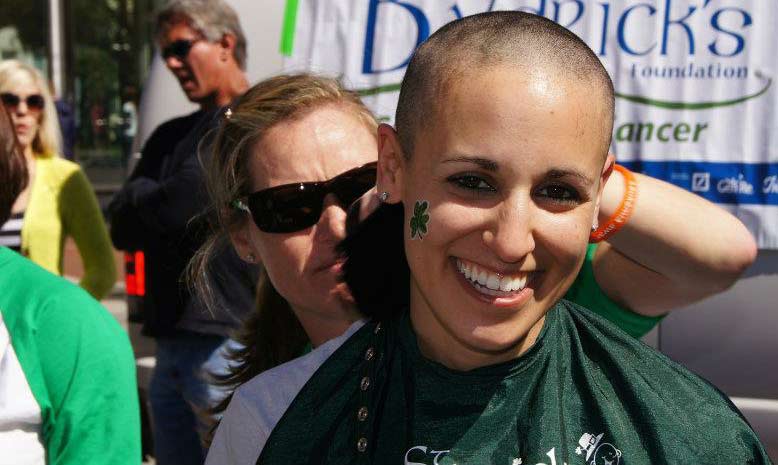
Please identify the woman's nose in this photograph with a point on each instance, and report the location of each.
(22, 108)
(332, 223)
(511, 234)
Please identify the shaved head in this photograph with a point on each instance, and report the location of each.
(516, 39)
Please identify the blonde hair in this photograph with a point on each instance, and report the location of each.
(264, 105)
(47, 141)
(272, 335)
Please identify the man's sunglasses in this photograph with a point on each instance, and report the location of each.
(294, 207)
(12, 101)
(179, 48)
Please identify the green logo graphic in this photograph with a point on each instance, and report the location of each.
(420, 219)
(692, 105)
(669, 105)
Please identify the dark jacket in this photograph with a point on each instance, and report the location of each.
(162, 215)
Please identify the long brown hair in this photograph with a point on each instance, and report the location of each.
(272, 335)
(13, 168)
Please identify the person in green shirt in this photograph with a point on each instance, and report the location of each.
(68, 393)
(471, 354)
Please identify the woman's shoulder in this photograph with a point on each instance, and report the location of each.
(56, 169)
(37, 293)
(259, 404)
(276, 387)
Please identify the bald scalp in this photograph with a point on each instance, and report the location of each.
(502, 38)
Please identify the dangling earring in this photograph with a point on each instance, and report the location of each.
(595, 225)
(383, 197)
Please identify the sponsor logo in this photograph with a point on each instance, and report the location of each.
(701, 38)
(700, 182)
(596, 451)
(770, 185)
(591, 447)
(737, 185)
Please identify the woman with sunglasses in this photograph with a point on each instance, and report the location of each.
(471, 355)
(59, 201)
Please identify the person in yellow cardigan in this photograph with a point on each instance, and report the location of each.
(59, 202)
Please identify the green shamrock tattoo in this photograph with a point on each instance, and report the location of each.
(420, 219)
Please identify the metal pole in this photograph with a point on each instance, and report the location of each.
(56, 68)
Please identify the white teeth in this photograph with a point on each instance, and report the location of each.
(491, 283)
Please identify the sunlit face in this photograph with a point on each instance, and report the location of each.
(199, 74)
(303, 266)
(512, 167)
(26, 120)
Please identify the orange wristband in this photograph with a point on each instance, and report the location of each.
(624, 211)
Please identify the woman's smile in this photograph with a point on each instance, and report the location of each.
(499, 289)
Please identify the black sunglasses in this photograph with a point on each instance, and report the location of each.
(34, 101)
(179, 48)
(294, 207)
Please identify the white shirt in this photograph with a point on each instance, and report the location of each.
(259, 404)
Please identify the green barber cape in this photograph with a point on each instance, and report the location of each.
(585, 393)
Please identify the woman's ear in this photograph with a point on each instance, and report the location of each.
(391, 163)
(607, 169)
(239, 236)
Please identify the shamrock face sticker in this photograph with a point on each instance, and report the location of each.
(420, 219)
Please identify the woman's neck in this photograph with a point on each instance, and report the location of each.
(483, 345)
(320, 328)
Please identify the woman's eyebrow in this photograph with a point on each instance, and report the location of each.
(562, 173)
(484, 163)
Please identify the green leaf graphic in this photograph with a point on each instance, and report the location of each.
(419, 219)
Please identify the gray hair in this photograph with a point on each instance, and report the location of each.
(212, 18)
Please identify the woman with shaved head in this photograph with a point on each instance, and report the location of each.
(491, 187)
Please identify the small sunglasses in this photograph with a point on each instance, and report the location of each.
(179, 48)
(34, 102)
(294, 207)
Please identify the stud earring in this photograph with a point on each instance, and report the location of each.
(383, 197)
(251, 258)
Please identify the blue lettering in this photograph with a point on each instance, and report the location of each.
(558, 7)
(621, 29)
(740, 42)
(606, 16)
(456, 11)
(680, 22)
(540, 11)
(423, 28)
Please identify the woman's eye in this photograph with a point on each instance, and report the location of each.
(471, 182)
(562, 194)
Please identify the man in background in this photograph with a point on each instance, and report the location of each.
(159, 211)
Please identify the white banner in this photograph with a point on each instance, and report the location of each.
(696, 105)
